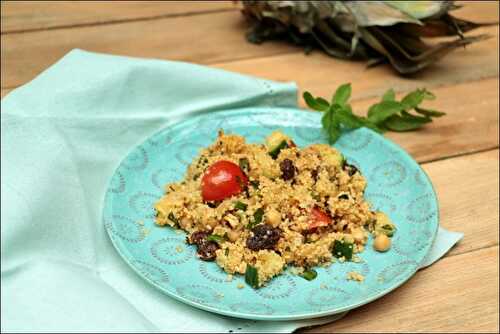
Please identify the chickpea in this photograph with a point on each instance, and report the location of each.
(382, 243)
(273, 217)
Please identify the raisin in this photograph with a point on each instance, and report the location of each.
(197, 238)
(344, 196)
(350, 169)
(314, 174)
(206, 250)
(287, 169)
(263, 237)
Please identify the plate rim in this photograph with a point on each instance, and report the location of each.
(252, 316)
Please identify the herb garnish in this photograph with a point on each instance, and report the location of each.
(342, 249)
(216, 238)
(257, 218)
(309, 274)
(240, 206)
(388, 114)
(252, 276)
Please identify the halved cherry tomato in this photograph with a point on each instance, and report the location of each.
(222, 180)
(319, 218)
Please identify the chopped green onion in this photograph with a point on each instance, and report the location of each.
(309, 274)
(257, 218)
(252, 276)
(216, 238)
(226, 252)
(275, 152)
(342, 249)
(240, 206)
(244, 164)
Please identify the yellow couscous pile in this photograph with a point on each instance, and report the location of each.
(294, 206)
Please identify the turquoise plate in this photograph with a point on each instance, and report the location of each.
(396, 185)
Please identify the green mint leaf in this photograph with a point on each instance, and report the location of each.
(429, 112)
(322, 101)
(383, 110)
(217, 238)
(342, 94)
(331, 125)
(318, 104)
(413, 99)
(348, 119)
(390, 95)
(422, 119)
(377, 128)
(404, 123)
(252, 276)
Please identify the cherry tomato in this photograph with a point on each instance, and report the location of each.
(319, 218)
(222, 180)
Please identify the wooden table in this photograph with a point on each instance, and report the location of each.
(459, 152)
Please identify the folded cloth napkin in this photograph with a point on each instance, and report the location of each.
(62, 135)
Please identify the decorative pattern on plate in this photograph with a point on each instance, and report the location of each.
(203, 294)
(212, 272)
(117, 184)
(125, 228)
(396, 184)
(152, 272)
(280, 287)
(422, 209)
(172, 251)
(326, 296)
(141, 204)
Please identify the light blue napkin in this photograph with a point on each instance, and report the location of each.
(62, 135)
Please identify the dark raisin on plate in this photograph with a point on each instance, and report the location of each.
(206, 250)
(263, 236)
(287, 169)
(197, 238)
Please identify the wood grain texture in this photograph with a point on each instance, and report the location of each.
(205, 39)
(321, 74)
(471, 123)
(20, 16)
(219, 38)
(467, 191)
(456, 294)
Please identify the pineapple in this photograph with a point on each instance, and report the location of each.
(379, 31)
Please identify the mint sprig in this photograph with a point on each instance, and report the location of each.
(388, 114)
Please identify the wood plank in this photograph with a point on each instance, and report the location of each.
(467, 191)
(20, 16)
(456, 294)
(321, 74)
(205, 39)
(220, 38)
(471, 123)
